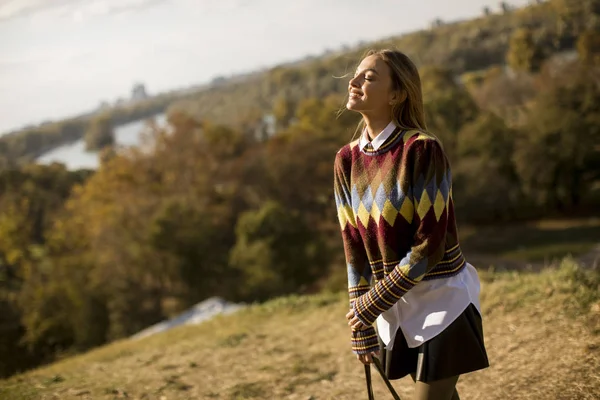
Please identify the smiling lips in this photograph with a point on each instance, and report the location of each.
(354, 95)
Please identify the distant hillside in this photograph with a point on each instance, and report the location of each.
(244, 99)
(460, 47)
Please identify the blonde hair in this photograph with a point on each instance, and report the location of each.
(408, 114)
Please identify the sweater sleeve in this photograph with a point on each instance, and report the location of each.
(359, 271)
(430, 183)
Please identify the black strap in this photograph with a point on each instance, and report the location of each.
(369, 385)
(383, 376)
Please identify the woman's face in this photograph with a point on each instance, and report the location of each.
(370, 91)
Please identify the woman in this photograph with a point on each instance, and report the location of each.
(406, 271)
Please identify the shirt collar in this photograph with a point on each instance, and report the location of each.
(379, 139)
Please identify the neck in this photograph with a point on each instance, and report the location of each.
(375, 125)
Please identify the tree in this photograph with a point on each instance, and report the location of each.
(485, 176)
(291, 156)
(194, 248)
(437, 23)
(100, 133)
(588, 46)
(576, 16)
(275, 252)
(505, 7)
(448, 106)
(31, 197)
(503, 94)
(283, 110)
(523, 53)
(557, 151)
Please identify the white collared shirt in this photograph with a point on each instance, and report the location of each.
(429, 308)
(379, 139)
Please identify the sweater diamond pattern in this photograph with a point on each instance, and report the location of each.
(396, 216)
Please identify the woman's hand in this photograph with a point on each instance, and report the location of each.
(367, 358)
(356, 325)
(354, 322)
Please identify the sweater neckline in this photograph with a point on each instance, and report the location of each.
(390, 142)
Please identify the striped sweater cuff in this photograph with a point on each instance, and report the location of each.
(382, 296)
(356, 292)
(365, 341)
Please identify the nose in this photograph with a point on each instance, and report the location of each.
(354, 82)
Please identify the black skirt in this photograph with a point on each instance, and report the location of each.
(457, 350)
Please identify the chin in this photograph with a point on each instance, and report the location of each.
(351, 106)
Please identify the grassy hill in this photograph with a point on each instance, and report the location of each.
(542, 333)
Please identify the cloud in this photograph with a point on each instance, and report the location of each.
(9, 64)
(44, 57)
(12, 9)
(125, 6)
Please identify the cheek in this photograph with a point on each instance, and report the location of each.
(377, 94)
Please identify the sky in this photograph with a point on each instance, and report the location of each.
(60, 58)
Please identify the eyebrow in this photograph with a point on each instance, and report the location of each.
(369, 69)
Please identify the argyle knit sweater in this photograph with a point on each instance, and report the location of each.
(396, 214)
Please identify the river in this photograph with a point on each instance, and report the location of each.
(74, 155)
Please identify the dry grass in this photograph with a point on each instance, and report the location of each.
(542, 334)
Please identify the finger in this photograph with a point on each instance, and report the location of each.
(368, 358)
(350, 314)
(357, 325)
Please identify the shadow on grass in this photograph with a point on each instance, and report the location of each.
(531, 243)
